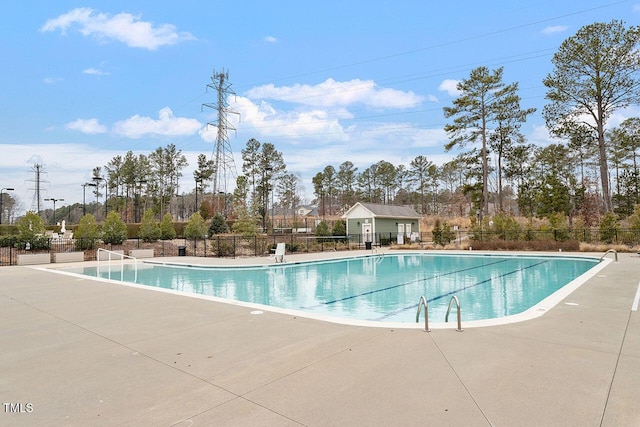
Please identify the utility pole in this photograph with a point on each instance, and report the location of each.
(224, 166)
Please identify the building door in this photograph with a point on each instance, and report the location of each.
(367, 235)
(400, 236)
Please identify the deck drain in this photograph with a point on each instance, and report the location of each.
(257, 312)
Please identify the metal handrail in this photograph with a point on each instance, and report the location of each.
(122, 257)
(608, 252)
(446, 318)
(423, 302)
(377, 251)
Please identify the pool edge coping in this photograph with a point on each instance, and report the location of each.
(533, 312)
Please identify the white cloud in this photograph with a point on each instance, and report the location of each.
(122, 27)
(51, 80)
(554, 29)
(331, 93)
(541, 137)
(450, 87)
(208, 133)
(166, 125)
(620, 116)
(268, 121)
(90, 126)
(95, 72)
(270, 39)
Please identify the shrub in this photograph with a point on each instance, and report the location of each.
(30, 227)
(218, 225)
(608, 227)
(149, 228)
(196, 227)
(114, 230)
(7, 241)
(385, 240)
(223, 247)
(339, 228)
(167, 232)
(245, 225)
(442, 233)
(523, 245)
(87, 232)
(634, 219)
(559, 225)
(506, 227)
(322, 229)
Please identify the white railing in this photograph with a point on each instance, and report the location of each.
(122, 258)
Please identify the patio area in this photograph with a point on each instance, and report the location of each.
(84, 352)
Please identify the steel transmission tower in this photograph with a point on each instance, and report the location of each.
(222, 156)
(38, 170)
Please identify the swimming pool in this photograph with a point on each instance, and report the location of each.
(375, 288)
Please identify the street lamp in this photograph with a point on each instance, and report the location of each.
(1, 211)
(84, 202)
(54, 206)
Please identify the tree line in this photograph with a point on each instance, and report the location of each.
(591, 170)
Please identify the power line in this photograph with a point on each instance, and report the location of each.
(443, 44)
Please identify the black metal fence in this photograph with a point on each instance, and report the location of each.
(263, 245)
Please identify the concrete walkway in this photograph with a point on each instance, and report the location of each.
(80, 352)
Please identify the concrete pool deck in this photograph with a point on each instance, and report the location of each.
(76, 351)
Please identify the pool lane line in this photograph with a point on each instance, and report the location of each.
(413, 307)
(400, 285)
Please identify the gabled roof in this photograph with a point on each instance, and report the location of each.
(385, 211)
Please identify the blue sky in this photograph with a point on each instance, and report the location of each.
(324, 82)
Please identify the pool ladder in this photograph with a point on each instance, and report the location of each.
(423, 303)
(610, 251)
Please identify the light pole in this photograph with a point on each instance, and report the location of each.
(54, 206)
(1, 191)
(84, 200)
(198, 181)
(223, 195)
(97, 184)
(266, 177)
(137, 199)
(181, 206)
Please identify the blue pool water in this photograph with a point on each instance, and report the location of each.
(377, 288)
